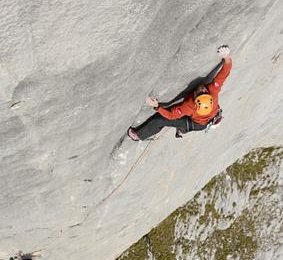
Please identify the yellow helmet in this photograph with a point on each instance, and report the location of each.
(204, 104)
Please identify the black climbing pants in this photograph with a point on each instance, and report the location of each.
(155, 123)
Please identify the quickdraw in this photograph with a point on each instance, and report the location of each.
(215, 120)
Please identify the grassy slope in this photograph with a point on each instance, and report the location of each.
(234, 215)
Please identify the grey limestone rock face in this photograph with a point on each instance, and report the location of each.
(236, 215)
(74, 75)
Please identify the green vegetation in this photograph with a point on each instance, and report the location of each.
(220, 232)
(239, 240)
(136, 251)
(162, 239)
(253, 164)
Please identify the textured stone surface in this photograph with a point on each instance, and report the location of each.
(74, 76)
(237, 215)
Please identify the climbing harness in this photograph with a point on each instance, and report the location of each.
(215, 120)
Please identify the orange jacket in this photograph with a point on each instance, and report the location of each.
(188, 106)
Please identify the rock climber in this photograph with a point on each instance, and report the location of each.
(194, 113)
